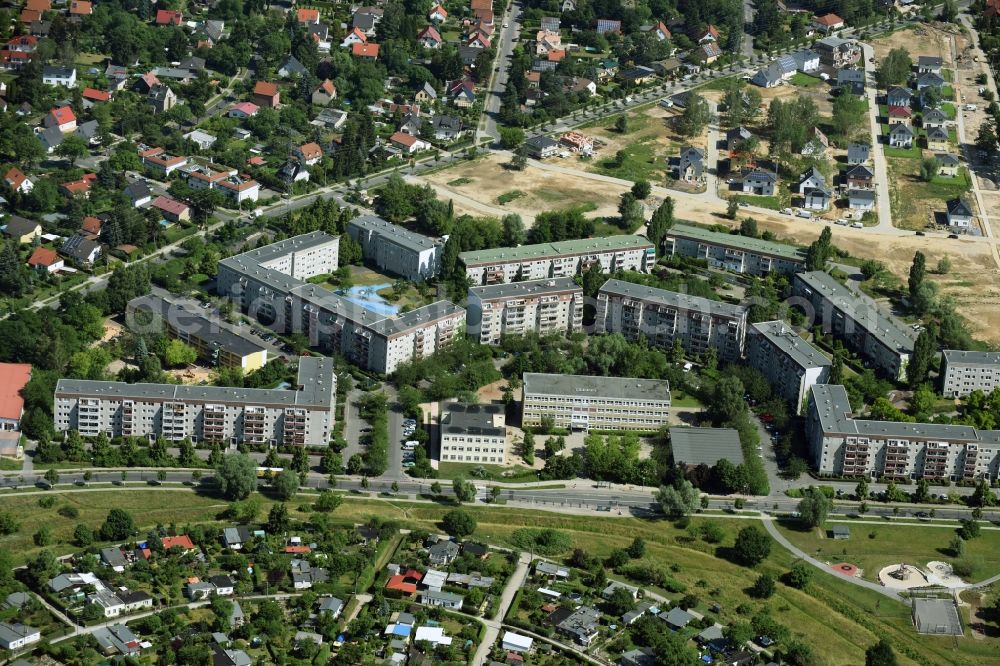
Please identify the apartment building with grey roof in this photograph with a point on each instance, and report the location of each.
(303, 417)
(963, 372)
(473, 433)
(856, 320)
(270, 284)
(394, 249)
(548, 306)
(791, 365)
(626, 252)
(661, 316)
(581, 402)
(842, 445)
(732, 252)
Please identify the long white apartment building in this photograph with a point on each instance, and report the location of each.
(791, 365)
(842, 445)
(270, 285)
(627, 252)
(304, 416)
(395, 249)
(732, 252)
(963, 372)
(538, 306)
(661, 316)
(581, 402)
(856, 320)
(473, 433)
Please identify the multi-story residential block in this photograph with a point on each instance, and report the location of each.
(473, 433)
(302, 417)
(963, 372)
(855, 319)
(627, 252)
(269, 284)
(740, 254)
(580, 402)
(791, 365)
(845, 446)
(395, 249)
(661, 316)
(540, 306)
(215, 341)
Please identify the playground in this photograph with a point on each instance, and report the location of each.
(907, 576)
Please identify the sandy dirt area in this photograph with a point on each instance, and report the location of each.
(919, 41)
(193, 374)
(484, 180)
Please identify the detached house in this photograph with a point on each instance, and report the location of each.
(860, 176)
(61, 118)
(22, 230)
(948, 164)
(309, 154)
(407, 143)
(463, 94)
(161, 98)
(852, 80)
(900, 114)
(760, 182)
(59, 76)
(934, 118)
(266, 94)
(898, 96)
(959, 214)
(355, 36)
(443, 552)
(325, 93)
(169, 17)
(291, 67)
(243, 110)
(691, 165)
(810, 178)
(17, 181)
(367, 51)
(736, 136)
(929, 80)
(438, 14)
(44, 259)
(858, 153)
(827, 23)
(937, 139)
(81, 249)
(429, 38)
(862, 200)
(929, 65)
(901, 136)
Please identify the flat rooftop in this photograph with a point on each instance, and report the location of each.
(393, 233)
(459, 418)
(191, 321)
(971, 357)
(705, 446)
(316, 382)
(781, 335)
(834, 410)
(753, 245)
(526, 289)
(616, 388)
(862, 310)
(506, 255)
(672, 299)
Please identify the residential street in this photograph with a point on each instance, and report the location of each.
(883, 204)
(494, 625)
(498, 78)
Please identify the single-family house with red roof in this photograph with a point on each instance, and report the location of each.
(355, 36)
(182, 541)
(429, 38)
(17, 181)
(438, 14)
(169, 17)
(369, 51)
(307, 15)
(23, 43)
(828, 23)
(479, 41)
(46, 259)
(243, 110)
(173, 210)
(92, 225)
(266, 94)
(62, 118)
(78, 187)
(407, 143)
(95, 95)
(309, 153)
(661, 31)
(325, 93)
(81, 8)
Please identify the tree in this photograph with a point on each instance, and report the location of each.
(641, 189)
(660, 223)
(328, 502)
(924, 351)
(8, 523)
(511, 137)
(944, 265)
(918, 271)
(748, 227)
(436, 488)
(813, 507)
(528, 448)
(285, 484)
(178, 354)
(620, 602)
(52, 476)
(73, 147)
(458, 523)
(630, 210)
(819, 251)
(732, 209)
(752, 546)
(800, 575)
(621, 124)
(513, 230)
(949, 11)
(679, 499)
(763, 587)
(236, 476)
(798, 653)
(117, 526)
(637, 550)
(880, 654)
(929, 168)
(277, 519)
(861, 490)
(465, 491)
(894, 68)
(982, 495)
(696, 115)
(83, 536)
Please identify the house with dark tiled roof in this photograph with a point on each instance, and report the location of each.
(691, 164)
(959, 213)
(898, 96)
(760, 182)
(948, 164)
(81, 249)
(860, 176)
(901, 136)
(21, 229)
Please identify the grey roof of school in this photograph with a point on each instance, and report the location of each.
(782, 336)
(556, 249)
(673, 299)
(193, 322)
(528, 288)
(747, 243)
(393, 233)
(885, 328)
(834, 410)
(618, 388)
(460, 418)
(971, 357)
(705, 446)
(315, 378)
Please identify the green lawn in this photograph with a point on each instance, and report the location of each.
(912, 152)
(949, 188)
(507, 197)
(639, 162)
(510, 474)
(803, 80)
(773, 202)
(10, 465)
(949, 110)
(718, 84)
(916, 545)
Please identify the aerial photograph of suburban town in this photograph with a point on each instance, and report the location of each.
(499, 333)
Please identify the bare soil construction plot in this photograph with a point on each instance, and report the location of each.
(920, 41)
(486, 179)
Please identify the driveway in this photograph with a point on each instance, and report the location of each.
(494, 626)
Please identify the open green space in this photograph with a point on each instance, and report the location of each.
(873, 547)
(639, 161)
(507, 197)
(10, 464)
(507, 474)
(803, 80)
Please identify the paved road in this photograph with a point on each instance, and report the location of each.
(494, 626)
(353, 424)
(882, 203)
(498, 78)
(822, 566)
(712, 172)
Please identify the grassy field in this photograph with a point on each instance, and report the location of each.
(639, 162)
(805, 81)
(10, 465)
(911, 198)
(873, 547)
(515, 474)
(507, 197)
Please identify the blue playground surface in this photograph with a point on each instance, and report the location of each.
(367, 296)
